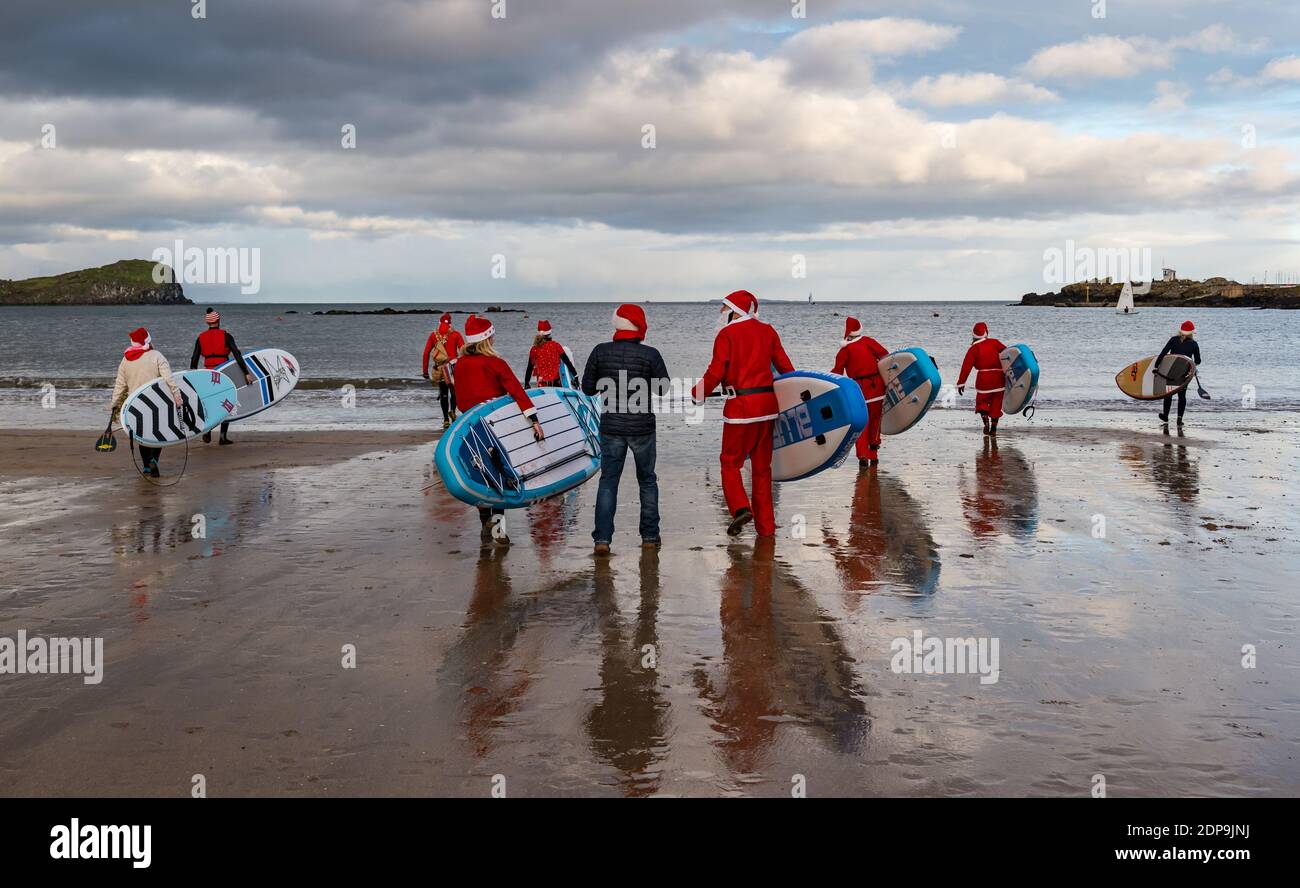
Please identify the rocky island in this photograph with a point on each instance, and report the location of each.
(126, 282)
(1215, 292)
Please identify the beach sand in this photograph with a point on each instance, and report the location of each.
(708, 668)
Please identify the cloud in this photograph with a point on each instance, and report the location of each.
(1285, 68)
(948, 90)
(1111, 57)
(1099, 57)
(842, 54)
(1170, 96)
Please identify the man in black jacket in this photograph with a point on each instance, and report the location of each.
(627, 373)
(1182, 344)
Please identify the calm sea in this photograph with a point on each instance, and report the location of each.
(76, 351)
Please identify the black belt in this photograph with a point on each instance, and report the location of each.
(868, 376)
(735, 392)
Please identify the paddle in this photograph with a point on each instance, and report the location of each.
(107, 442)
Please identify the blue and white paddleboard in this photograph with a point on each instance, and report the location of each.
(911, 384)
(488, 456)
(151, 417)
(1021, 369)
(822, 415)
(275, 373)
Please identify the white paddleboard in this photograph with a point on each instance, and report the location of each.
(275, 373)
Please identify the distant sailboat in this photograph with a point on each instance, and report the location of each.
(1125, 304)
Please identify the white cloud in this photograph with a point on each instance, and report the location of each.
(1285, 68)
(1170, 96)
(1099, 57)
(947, 90)
(842, 54)
(1110, 57)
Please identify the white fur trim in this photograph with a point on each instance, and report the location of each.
(479, 337)
(731, 305)
(622, 323)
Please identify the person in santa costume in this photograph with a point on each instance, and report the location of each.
(545, 358)
(142, 364)
(482, 375)
(859, 357)
(990, 379)
(745, 351)
(215, 346)
(444, 346)
(1182, 344)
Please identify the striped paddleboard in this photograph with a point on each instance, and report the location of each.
(151, 417)
(275, 373)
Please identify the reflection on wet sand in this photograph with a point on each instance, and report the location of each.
(1002, 497)
(888, 544)
(551, 523)
(487, 673)
(783, 661)
(627, 724)
(1169, 466)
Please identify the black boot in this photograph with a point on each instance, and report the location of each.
(738, 521)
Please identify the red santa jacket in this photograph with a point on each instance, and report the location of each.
(744, 353)
(481, 378)
(982, 356)
(860, 358)
(452, 341)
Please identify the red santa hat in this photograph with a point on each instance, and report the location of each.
(446, 318)
(212, 318)
(543, 328)
(478, 329)
(852, 330)
(980, 331)
(1187, 329)
(742, 302)
(630, 322)
(141, 342)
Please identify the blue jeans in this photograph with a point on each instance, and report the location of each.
(614, 450)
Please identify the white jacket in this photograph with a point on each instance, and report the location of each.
(132, 374)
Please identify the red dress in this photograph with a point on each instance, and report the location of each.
(860, 359)
(545, 361)
(744, 353)
(990, 379)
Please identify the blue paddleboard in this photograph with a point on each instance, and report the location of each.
(1021, 369)
(822, 415)
(912, 383)
(488, 457)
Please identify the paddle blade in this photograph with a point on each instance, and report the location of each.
(107, 443)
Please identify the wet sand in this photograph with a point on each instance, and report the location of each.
(708, 668)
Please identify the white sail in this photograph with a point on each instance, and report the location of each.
(1125, 304)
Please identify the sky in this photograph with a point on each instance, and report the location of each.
(593, 150)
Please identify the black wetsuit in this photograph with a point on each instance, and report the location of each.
(232, 350)
(1179, 345)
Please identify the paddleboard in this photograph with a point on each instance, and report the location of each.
(275, 373)
(566, 375)
(488, 456)
(822, 415)
(1141, 381)
(911, 384)
(151, 417)
(1021, 369)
